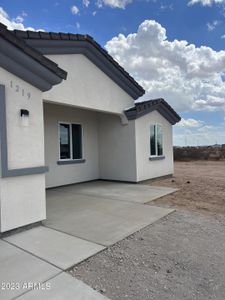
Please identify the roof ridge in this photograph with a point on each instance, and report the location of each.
(42, 35)
(142, 108)
(35, 54)
(157, 101)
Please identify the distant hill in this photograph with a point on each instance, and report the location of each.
(214, 152)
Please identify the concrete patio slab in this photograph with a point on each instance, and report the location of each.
(139, 193)
(60, 249)
(18, 269)
(64, 286)
(99, 220)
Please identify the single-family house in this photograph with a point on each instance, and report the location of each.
(67, 115)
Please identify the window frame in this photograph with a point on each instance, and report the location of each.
(71, 159)
(156, 139)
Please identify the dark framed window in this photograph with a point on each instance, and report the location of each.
(77, 141)
(156, 140)
(70, 139)
(65, 148)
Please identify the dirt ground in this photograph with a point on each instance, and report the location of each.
(205, 192)
(179, 257)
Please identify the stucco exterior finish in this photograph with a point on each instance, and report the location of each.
(146, 168)
(113, 148)
(108, 146)
(25, 143)
(72, 173)
(22, 199)
(117, 152)
(87, 86)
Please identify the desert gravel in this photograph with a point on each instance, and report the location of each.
(201, 187)
(182, 256)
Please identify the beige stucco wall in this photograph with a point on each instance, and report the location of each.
(25, 144)
(112, 150)
(117, 152)
(65, 174)
(87, 86)
(22, 199)
(146, 168)
(108, 147)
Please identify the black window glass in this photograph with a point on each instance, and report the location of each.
(77, 141)
(65, 141)
(152, 140)
(159, 140)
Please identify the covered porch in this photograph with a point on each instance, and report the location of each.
(86, 144)
(87, 196)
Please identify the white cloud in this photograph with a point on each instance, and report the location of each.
(86, 3)
(205, 2)
(196, 136)
(77, 25)
(94, 13)
(188, 77)
(113, 3)
(14, 23)
(213, 25)
(20, 18)
(223, 36)
(165, 6)
(75, 10)
(190, 123)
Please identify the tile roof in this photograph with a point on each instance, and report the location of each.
(142, 108)
(31, 35)
(36, 55)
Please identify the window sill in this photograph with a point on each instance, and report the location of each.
(70, 162)
(156, 157)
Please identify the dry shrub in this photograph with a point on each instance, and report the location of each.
(199, 153)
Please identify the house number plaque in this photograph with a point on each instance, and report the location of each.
(18, 89)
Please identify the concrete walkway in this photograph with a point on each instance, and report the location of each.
(138, 193)
(103, 212)
(84, 218)
(31, 264)
(59, 249)
(99, 220)
(63, 287)
(19, 268)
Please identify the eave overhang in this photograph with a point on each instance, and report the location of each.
(62, 43)
(142, 108)
(28, 64)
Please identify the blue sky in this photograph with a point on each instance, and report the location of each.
(175, 49)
